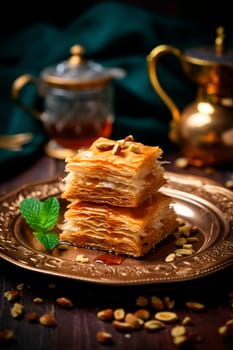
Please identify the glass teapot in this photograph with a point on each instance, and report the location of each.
(204, 129)
(78, 101)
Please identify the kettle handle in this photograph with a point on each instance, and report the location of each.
(152, 60)
(16, 91)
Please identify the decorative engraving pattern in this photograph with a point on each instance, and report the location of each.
(215, 255)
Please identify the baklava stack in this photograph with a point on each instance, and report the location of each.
(114, 202)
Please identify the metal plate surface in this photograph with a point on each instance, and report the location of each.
(197, 200)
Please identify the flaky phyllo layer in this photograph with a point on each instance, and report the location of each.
(126, 178)
(129, 231)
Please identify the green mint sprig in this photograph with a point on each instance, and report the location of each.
(42, 216)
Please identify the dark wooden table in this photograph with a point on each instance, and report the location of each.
(76, 327)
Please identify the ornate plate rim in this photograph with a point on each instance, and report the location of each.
(216, 257)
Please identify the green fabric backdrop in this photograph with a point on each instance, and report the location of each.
(113, 34)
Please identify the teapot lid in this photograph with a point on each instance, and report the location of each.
(216, 54)
(78, 73)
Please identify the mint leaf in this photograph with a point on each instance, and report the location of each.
(42, 216)
(49, 240)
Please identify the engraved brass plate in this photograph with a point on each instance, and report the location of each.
(197, 200)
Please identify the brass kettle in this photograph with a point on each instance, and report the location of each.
(204, 129)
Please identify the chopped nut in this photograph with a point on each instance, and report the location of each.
(119, 314)
(104, 146)
(170, 257)
(187, 340)
(127, 335)
(12, 295)
(121, 326)
(229, 323)
(229, 184)
(105, 315)
(47, 320)
(181, 340)
(143, 314)
(179, 242)
(169, 303)
(64, 302)
(181, 162)
(156, 303)
(192, 239)
(227, 329)
(184, 230)
(32, 317)
(82, 258)
(116, 149)
(166, 316)
(184, 251)
(129, 138)
(122, 143)
(6, 335)
(178, 331)
(104, 337)
(153, 325)
(195, 306)
(20, 286)
(188, 246)
(222, 330)
(135, 322)
(135, 149)
(38, 300)
(17, 310)
(186, 321)
(142, 301)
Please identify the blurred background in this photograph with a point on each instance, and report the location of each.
(20, 15)
(121, 34)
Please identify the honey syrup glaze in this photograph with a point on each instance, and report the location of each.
(109, 259)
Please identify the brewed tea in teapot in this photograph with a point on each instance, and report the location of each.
(78, 102)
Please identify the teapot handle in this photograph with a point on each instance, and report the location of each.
(152, 60)
(17, 88)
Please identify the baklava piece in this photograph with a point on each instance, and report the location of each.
(119, 173)
(123, 230)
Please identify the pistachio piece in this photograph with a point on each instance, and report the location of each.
(166, 316)
(105, 315)
(104, 337)
(134, 321)
(142, 314)
(153, 325)
(178, 331)
(142, 301)
(121, 326)
(156, 303)
(119, 314)
(47, 320)
(170, 257)
(135, 149)
(116, 149)
(129, 138)
(194, 306)
(104, 146)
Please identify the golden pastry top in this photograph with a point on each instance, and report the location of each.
(117, 152)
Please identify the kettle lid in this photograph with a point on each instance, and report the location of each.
(77, 72)
(217, 54)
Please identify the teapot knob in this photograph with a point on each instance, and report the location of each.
(77, 52)
(219, 41)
